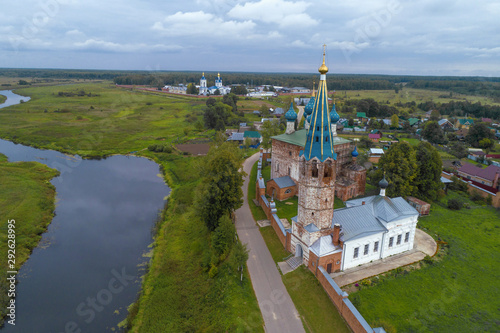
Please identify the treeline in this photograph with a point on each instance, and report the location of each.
(370, 107)
(462, 108)
(61, 73)
(478, 86)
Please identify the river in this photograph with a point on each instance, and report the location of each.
(12, 98)
(87, 268)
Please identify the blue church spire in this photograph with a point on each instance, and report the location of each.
(319, 141)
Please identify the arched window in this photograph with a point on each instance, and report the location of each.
(314, 169)
(328, 169)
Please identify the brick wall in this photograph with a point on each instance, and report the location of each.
(495, 197)
(347, 310)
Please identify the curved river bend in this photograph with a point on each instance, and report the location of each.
(87, 267)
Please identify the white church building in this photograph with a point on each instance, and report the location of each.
(205, 90)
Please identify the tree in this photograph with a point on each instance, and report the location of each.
(264, 111)
(240, 256)
(435, 115)
(486, 143)
(350, 122)
(433, 133)
(217, 115)
(269, 129)
(478, 132)
(217, 92)
(429, 166)
(223, 236)
(365, 142)
(220, 191)
(400, 167)
(191, 89)
(239, 90)
(458, 150)
(395, 120)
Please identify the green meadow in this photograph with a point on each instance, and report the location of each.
(97, 119)
(457, 291)
(27, 197)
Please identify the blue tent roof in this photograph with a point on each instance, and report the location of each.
(319, 141)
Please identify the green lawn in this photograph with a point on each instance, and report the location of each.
(413, 142)
(287, 208)
(26, 196)
(274, 245)
(458, 292)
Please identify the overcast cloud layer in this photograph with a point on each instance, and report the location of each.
(423, 37)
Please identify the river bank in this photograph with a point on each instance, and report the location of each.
(28, 198)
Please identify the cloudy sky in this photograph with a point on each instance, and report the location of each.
(423, 37)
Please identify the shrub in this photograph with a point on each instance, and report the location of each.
(455, 204)
(476, 197)
(428, 260)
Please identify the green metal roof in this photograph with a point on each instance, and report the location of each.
(298, 138)
(361, 114)
(252, 134)
(413, 121)
(466, 121)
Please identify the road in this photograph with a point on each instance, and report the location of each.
(278, 310)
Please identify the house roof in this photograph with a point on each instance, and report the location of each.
(374, 136)
(311, 227)
(324, 246)
(443, 121)
(284, 182)
(446, 180)
(236, 137)
(413, 121)
(361, 114)
(251, 134)
(487, 173)
(486, 120)
(361, 220)
(377, 151)
(357, 222)
(466, 121)
(298, 138)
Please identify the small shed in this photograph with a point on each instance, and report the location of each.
(422, 207)
(281, 188)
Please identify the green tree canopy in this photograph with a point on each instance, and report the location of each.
(400, 167)
(269, 129)
(217, 116)
(220, 191)
(239, 90)
(191, 89)
(429, 166)
(433, 133)
(478, 132)
(394, 120)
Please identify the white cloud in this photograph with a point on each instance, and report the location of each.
(202, 24)
(100, 45)
(285, 14)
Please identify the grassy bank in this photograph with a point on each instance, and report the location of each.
(456, 293)
(2, 99)
(26, 196)
(178, 294)
(318, 312)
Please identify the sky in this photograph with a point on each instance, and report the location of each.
(411, 37)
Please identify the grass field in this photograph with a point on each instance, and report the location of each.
(458, 292)
(178, 295)
(409, 95)
(26, 196)
(108, 121)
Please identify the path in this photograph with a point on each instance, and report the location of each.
(424, 245)
(278, 310)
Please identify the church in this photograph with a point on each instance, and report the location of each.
(315, 164)
(204, 90)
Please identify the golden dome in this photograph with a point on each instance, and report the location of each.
(323, 69)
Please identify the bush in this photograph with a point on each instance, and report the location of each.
(476, 197)
(455, 204)
(428, 260)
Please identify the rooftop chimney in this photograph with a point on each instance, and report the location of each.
(336, 234)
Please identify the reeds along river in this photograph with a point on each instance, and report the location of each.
(87, 267)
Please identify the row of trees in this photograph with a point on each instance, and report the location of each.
(462, 108)
(479, 135)
(369, 106)
(411, 171)
(219, 114)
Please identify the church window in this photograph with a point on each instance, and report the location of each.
(328, 169)
(288, 191)
(277, 167)
(312, 214)
(289, 153)
(407, 237)
(365, 251)
(315, 169)
(398, 242)
(391, 241)
(326, 139)
(317, 139)
(289, 171)
(356, 252)
(338, 262)
(317, 128)
(375, 247)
